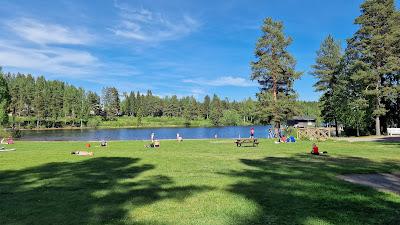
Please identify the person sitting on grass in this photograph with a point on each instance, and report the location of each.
(82, 153)
(103, 143)
(315, 150)
(284, 139)
(154, 144)
(9, 141)
(179, 138)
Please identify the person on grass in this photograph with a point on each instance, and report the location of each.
(103, 143)
(270, 133)
(315, 150)
(178, 137)
(154, 144)
(82, 153)
(252, 132)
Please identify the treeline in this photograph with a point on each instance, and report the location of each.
(37, 102)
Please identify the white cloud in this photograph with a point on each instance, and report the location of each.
(146, 26)
(223, 81)
(47, 59)
(47, 33)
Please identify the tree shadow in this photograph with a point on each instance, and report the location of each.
(305, 189)
(93, 191)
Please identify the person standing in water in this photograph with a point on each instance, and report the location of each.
(252, 132)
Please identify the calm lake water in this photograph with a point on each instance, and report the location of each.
(144, 134)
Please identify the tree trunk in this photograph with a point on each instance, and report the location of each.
(336, 128)
(277, 128)
(377, 126)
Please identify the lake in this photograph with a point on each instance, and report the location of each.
(143, 133)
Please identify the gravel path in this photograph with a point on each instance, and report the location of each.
(371, 138)
(380, 181)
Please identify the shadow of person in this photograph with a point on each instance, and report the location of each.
(304, 189)
(93, 191)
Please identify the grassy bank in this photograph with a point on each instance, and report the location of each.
(195, 182)
(126, 121)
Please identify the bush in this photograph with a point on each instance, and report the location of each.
(230, 118)
(16, 133)
(4, 133)
(94, 122)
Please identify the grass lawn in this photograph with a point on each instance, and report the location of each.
(195, 182)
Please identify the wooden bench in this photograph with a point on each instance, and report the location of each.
(392, 131)
(252, 141)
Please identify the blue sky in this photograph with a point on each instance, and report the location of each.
(171, 47)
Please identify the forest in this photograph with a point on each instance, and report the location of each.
(35, 102)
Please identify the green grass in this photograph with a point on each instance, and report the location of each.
(195, 182)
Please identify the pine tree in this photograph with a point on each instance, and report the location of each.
(4, 99)
(94, 103)
(111, 102)
(326, 71)
(275, 72)
(216, 110)
(206, 106)
(39, 100)
(373, 48)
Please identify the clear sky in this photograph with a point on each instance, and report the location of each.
(171, 47)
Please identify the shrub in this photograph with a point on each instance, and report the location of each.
(230, 118)
(94, 122)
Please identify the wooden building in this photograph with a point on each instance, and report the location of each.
(302, 122)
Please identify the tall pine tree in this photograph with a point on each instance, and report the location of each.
(373, 49)
(274, 69)
(327, 71)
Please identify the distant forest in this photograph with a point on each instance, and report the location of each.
(39, 103)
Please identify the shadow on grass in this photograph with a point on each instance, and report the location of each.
(93, 191)
(305, 190)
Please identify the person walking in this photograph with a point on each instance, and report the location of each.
(252, 132)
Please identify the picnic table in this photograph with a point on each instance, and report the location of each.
(251, 141)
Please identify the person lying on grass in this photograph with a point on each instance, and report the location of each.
(315, 150)
(82, 153)
(154, 144)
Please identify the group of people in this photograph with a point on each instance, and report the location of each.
(103, 143)
(156, 143)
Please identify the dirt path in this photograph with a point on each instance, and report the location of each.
(380, 181)
(371, 138)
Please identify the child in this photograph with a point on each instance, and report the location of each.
(315, 150)
(252, 132)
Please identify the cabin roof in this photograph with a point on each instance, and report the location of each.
(306, 118)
